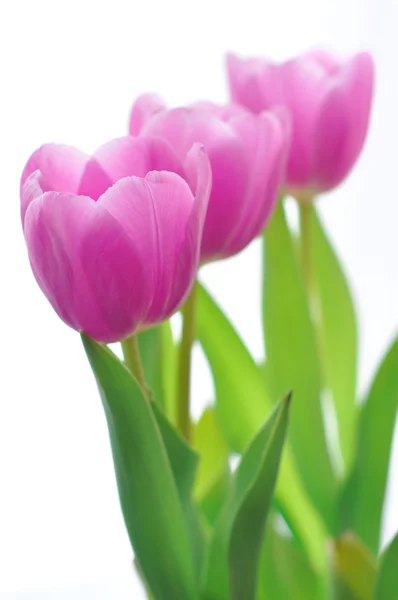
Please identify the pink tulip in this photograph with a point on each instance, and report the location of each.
(247, 154)
(329, 102)
(114, 240)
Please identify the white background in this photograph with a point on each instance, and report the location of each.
(68, 73)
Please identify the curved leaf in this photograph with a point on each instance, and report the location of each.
(213, 451)
(169, 375)
(242, 402)
(148, 494)
(242, 405)
(150, 345)
(338, 334)
(236, 543)
(363, 498)
(159, 356)
(387, 576)
(183, 459)
(285, 572)
(184, 462)
(292, 362)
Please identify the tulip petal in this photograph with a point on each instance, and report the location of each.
(61, 167)
(299, 85)
(182, 127)
(155, 212)
(244, 84)
(230, 170)
(172, 126)
(326, 60)
(266, 142)
(86, 265)
(125, 157)
(143, 109)
(343, 121)
(199, 175)
(30, 190)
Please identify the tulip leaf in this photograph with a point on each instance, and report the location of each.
(242, 405)
(285, 571)
(148, 493)
(150, 345)
(364, 494)
(234, 549)
(354, 566)
(212, 503)
(387, 575)
(292, 362)
(158, 355)
(183, 461)
(338, 334)
(214, 453)
(169, 361)
(213, 474)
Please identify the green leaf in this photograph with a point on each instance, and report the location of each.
(242, 406)
(170, 360)
(285, 572)
(213, 451)
(235, 547)
(150, 345)
(159, 359)
(292, 362)
(212, 504)
(148, 493)
(354, 566)
(183, 461)
(363, 498)
(213, 475)
(338, 334)
(387, 576)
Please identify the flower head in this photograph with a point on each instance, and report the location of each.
(329, 102)
(247, 155)
(114, 240)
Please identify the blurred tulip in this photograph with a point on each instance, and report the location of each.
(247, 154)
(114, 240)
(329, 102)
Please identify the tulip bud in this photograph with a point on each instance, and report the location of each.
(247, 154)
(114, 240)
(329, 102)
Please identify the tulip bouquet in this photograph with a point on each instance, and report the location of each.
(115, 241)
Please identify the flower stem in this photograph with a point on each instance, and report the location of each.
(132, 359)
(184, 364)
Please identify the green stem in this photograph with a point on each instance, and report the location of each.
(184, 364)
(132, 359)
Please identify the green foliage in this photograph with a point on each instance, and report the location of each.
(387, 576)
(242, 405)
(234, 550)
(337, 331)
(364, 494)
(292, 362)
(213, 475)
(144, 475)
(285, 571)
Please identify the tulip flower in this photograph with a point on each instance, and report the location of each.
(114, 240)
(247, 154)
(329, 102)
